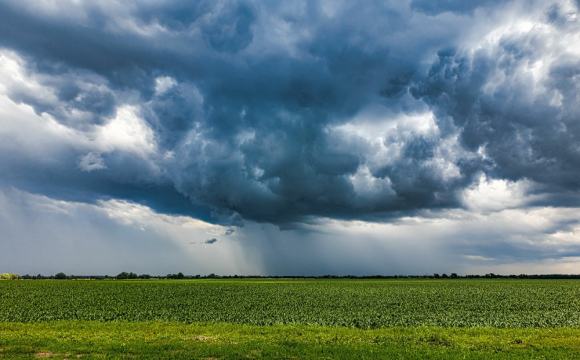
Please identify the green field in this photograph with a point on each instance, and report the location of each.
(291, 318)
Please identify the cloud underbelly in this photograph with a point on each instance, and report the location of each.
(285, 114)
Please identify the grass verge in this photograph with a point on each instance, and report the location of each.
(88, 339)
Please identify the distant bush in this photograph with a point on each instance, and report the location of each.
(124, 275)
(60, 276)
(176, 276)
(5, 276)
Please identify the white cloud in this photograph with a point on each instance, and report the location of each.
(541, 46)
(495, 194)
(478, 258)
(164, 83)
(566, 265)
(368, 187)
(44, 235)
(142, 240)
(125, 132)
(44, 136)
(91, 161)
(13, 76)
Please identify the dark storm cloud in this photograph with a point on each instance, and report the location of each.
(231, 30)
(247, 100)
(455, 6)
(524, 132)
(210, 241)
(58, 174)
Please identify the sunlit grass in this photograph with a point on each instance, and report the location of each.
(67, 339)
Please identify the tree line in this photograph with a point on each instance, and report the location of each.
(131, 275)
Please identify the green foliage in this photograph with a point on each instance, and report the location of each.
(176, 276)
(60, 276)
(5, 276)
(124, 275)
(365, 304)
(169, 340)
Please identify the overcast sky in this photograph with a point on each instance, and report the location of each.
(290, 137)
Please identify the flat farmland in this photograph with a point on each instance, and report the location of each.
(434, 317)
(364, 304)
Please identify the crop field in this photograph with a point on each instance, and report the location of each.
(300, 318)
(350, 303)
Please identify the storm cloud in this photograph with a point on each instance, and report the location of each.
(285, 113)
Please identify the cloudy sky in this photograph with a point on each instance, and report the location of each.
(290, 137)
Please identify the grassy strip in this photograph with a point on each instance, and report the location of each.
(91, 339)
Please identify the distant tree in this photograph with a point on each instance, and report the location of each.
(454, 276)
(144, 276)
(436, 276)
(60, 276)
(132, 275)
(180, 275)
(5, 276)
(445, 276)
(123, 276)
(14, 276)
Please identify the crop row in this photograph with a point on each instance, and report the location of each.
(361, 304)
